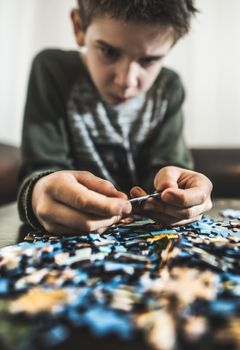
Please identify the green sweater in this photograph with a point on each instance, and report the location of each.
(68, 126)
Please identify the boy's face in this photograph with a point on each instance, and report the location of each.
(123, 58)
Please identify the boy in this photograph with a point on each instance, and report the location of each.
(99, 122)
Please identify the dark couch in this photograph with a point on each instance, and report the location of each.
(9, 167)
(222, 166)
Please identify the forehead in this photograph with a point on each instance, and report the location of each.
(131, 35)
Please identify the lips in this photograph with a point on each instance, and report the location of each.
(121, 98)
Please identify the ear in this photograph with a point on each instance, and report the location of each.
(77, 27)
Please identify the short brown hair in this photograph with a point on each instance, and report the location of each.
(174, 13)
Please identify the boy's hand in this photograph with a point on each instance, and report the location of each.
(72, 202)
(185, 196)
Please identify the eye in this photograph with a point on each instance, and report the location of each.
(149, 61)
(109, 52)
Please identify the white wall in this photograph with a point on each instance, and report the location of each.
(208, 61)
(26, 26)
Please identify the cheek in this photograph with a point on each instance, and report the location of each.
(100, 76)
(97, 71)
(150, 76)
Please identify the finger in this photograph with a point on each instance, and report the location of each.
(180, 213)
(58, 229)
(137, 191)
(77, 196)
(185, 198)
(166, 178)
(97, 184)
(168, 220)
(65, 220)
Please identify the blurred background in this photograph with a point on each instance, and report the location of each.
(207, 59)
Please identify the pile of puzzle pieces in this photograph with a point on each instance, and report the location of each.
(137, 286)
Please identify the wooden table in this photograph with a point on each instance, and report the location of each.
(9, 224)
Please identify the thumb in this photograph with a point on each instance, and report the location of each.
(97, 184)
(166, 178)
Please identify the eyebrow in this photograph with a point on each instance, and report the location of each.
(102, 42)
(151, 57)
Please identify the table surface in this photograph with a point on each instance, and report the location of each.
(10, 222)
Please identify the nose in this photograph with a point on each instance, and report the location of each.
(127, 75)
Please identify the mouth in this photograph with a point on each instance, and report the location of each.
(120, 99)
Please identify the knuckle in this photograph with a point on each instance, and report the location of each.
(80, 201)
(48, 227)
(183, 199)
(86, 173)
(188, 213)
(50, 183)
(114, 208)
(107, 185)
(42, 212)
(202, 197)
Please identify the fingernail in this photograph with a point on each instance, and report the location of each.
(138, 192)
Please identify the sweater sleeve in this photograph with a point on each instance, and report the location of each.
(166, 146)
(45, 145)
